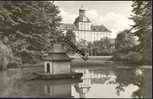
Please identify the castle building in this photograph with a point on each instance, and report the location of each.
(84, 29)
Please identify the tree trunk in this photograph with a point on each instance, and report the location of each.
(5, 56)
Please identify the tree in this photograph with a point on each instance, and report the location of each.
(124, 41)
(125, 45)
(106, 44)
(99, 47)
(142, 16)
(82, 45)
(30, 26)
(70, 36)
(5, 55)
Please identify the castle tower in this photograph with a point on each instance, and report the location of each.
(82, 22)
(82, 11)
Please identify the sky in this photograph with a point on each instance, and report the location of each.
(112, 14)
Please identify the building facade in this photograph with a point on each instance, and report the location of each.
(84, 29)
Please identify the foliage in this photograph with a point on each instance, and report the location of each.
(83, 45)
(134, 57)
(30, 26)
(122, 81)
(142, 16)
(70, 35)
(101, 47)
(130, 57)
(143, 30)
(124, 41)
(118, 56)
(125, 45)
(103, 43)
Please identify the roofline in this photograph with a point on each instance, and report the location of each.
(92, 31)
(87, 30)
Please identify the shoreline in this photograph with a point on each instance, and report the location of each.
(93, 61)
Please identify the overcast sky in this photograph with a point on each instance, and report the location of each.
(113, 14)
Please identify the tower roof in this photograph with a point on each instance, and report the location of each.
(99, 28)
(82, 8)
(81, 19)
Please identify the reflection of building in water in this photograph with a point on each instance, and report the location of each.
(63, 90)
(82, 90)
(89, 77)
(84, 87)
(101, 76)
(60, 88)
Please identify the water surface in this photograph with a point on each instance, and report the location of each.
(95, 83)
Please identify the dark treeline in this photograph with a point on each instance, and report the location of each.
(127, 50)
(27, 28)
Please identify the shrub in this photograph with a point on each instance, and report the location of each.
(105, 52)
(26, 57)
(16, 62)
(12, 65)
(147, 61)
(133, 57)
(118, 56)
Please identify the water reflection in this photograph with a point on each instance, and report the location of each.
(84, 87)
(145, 86)
(142, 83)
(94, 83)
(127, 79)
(99, 83)
(114, 83)
(60, 90)
(54, 89)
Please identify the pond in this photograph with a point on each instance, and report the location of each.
(95, 83)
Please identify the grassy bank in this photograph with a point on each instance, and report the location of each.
(99, 61)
